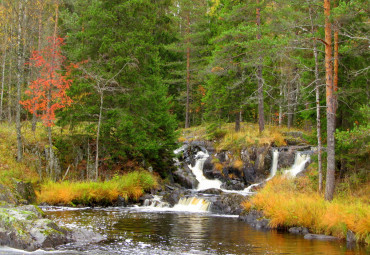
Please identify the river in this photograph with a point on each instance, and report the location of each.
(149, 230)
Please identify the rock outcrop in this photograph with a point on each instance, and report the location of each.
(255, 219)
(25, 228)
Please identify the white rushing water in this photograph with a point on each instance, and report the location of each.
(192, 204)
(298, 166)
(273, 171)
(275, 159)
(197, 170)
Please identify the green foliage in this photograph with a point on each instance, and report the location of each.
(136, 118)
(214, 131)
(353, 146)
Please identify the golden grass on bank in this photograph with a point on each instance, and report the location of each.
(287, 204)
(130, 186)
(234, 141)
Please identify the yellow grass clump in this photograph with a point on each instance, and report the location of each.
(130, 186)
(238, 164)
(292, 203)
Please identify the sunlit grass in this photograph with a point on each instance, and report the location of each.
(228, 139)
(293, 203)
(130, 186)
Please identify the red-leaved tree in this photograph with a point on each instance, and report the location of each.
(48, 92)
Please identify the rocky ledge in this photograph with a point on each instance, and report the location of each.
(26, 227)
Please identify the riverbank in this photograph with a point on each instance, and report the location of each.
(290, 203)
(121, 189)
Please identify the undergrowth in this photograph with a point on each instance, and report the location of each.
(9, 167)
(288, 203)
(130, 186)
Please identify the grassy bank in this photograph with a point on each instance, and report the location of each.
(226, 138)
(288, 203)
(130, 186)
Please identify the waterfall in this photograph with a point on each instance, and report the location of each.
(185, 204)
(273, 171)
(156, 201)
(192, 204)
(298, 166)
(197, 170)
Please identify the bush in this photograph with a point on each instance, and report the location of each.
(130, 186)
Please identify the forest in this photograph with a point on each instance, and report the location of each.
(104, 91)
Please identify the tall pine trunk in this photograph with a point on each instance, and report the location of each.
(261, 115)
(336, 59)
(330, 107)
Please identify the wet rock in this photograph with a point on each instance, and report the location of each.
(298, 230)
(233, 185)
(174, 196)
(24, 229)
(249, 174)
(121, 201)
(185, 177)
(85, 236)
(351, 237)
(256, 219)
(228, 203)
(145, 197)
(211, 191)
(321, 237)
(286, 159)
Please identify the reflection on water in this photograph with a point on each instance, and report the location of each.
(134, 231)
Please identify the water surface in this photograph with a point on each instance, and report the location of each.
(156, 231)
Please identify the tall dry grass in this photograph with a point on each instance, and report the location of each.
(234, 141)
(130, 186)
(293, 203)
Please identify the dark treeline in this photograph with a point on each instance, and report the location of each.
(145, 68)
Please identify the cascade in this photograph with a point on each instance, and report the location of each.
(299, 163)
(197, 170)
(273, 170)
(156, 201)
(193, 204)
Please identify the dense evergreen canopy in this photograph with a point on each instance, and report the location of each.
(145, 68)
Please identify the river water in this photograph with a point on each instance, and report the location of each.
(157, 231)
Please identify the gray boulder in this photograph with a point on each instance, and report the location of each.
(298, 230)
(185, 177)
(228, 203)
(256, 219)
(321, 237)
(22, 228)
(351, 237)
